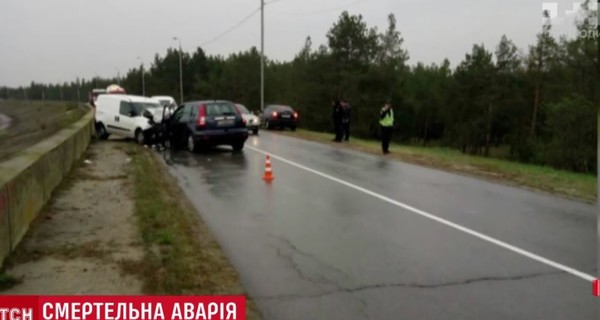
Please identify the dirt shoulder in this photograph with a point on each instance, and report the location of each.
(119, 224)
(81, 239)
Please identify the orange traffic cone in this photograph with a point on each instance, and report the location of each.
(268, 177)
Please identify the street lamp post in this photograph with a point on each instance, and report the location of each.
(143, 80)
(180, 72)
(262, 55)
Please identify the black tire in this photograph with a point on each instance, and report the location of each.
(191, 144)
(237, 147)
(101, 132)
(166, 144)
(255, 131)
(139, 137)
(293, 128)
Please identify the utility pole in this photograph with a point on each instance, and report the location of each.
(262, 55)
(180, 72)
(118, 76)
(143, 80)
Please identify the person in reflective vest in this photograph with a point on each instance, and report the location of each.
(386, 122)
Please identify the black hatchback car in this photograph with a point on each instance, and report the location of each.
(202, 124)
(280, 116)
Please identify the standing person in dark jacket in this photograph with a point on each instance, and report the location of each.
(337, 120)
(346, 115)
(386, 122)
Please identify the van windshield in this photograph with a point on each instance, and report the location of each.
(139, 107)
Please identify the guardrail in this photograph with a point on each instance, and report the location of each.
(28, 179)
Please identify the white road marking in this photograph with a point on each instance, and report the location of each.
(448, 223)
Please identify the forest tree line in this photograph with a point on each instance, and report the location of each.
(537, 105)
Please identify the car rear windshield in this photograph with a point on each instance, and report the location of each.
(283, 108)
(243, 109)
(219, 109)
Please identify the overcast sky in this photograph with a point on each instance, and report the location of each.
(58, 40)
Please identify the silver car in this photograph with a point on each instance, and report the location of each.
(252, 121)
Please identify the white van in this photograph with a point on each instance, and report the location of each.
(122, 115)
(165, 100)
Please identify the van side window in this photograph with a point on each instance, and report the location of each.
(125, 108)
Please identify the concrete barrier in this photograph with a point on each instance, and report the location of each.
(28, 179)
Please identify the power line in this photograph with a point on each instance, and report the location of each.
(237, 25)
(272, 1)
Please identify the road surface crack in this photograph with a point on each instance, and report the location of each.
(410, 285)
(293, 247)
(316, 279)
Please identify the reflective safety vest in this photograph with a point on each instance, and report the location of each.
(388, 120)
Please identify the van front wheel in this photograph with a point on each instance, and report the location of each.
(101, 132)
(139, 136)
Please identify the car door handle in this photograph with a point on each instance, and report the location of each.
(117, 118)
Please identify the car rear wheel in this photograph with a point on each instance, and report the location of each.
(139, 136)
(237, 147)
(293, 128)
(255, 131)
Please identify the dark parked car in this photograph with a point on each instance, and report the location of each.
(202, 124)
(279, 116)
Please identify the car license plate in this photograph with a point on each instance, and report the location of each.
(285, 116)
(223, 123)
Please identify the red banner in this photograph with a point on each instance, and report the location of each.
(122, 307)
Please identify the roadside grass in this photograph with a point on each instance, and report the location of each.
(33, 121)
(181, 256)
(8, 281)
(72, 114)
(564, 183)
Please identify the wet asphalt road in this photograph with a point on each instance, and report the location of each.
(308, 247)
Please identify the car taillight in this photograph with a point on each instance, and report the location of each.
(295, 114)
(202, 115)
(274, 114)
(243, 121)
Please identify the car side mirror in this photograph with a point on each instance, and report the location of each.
(148, 115)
